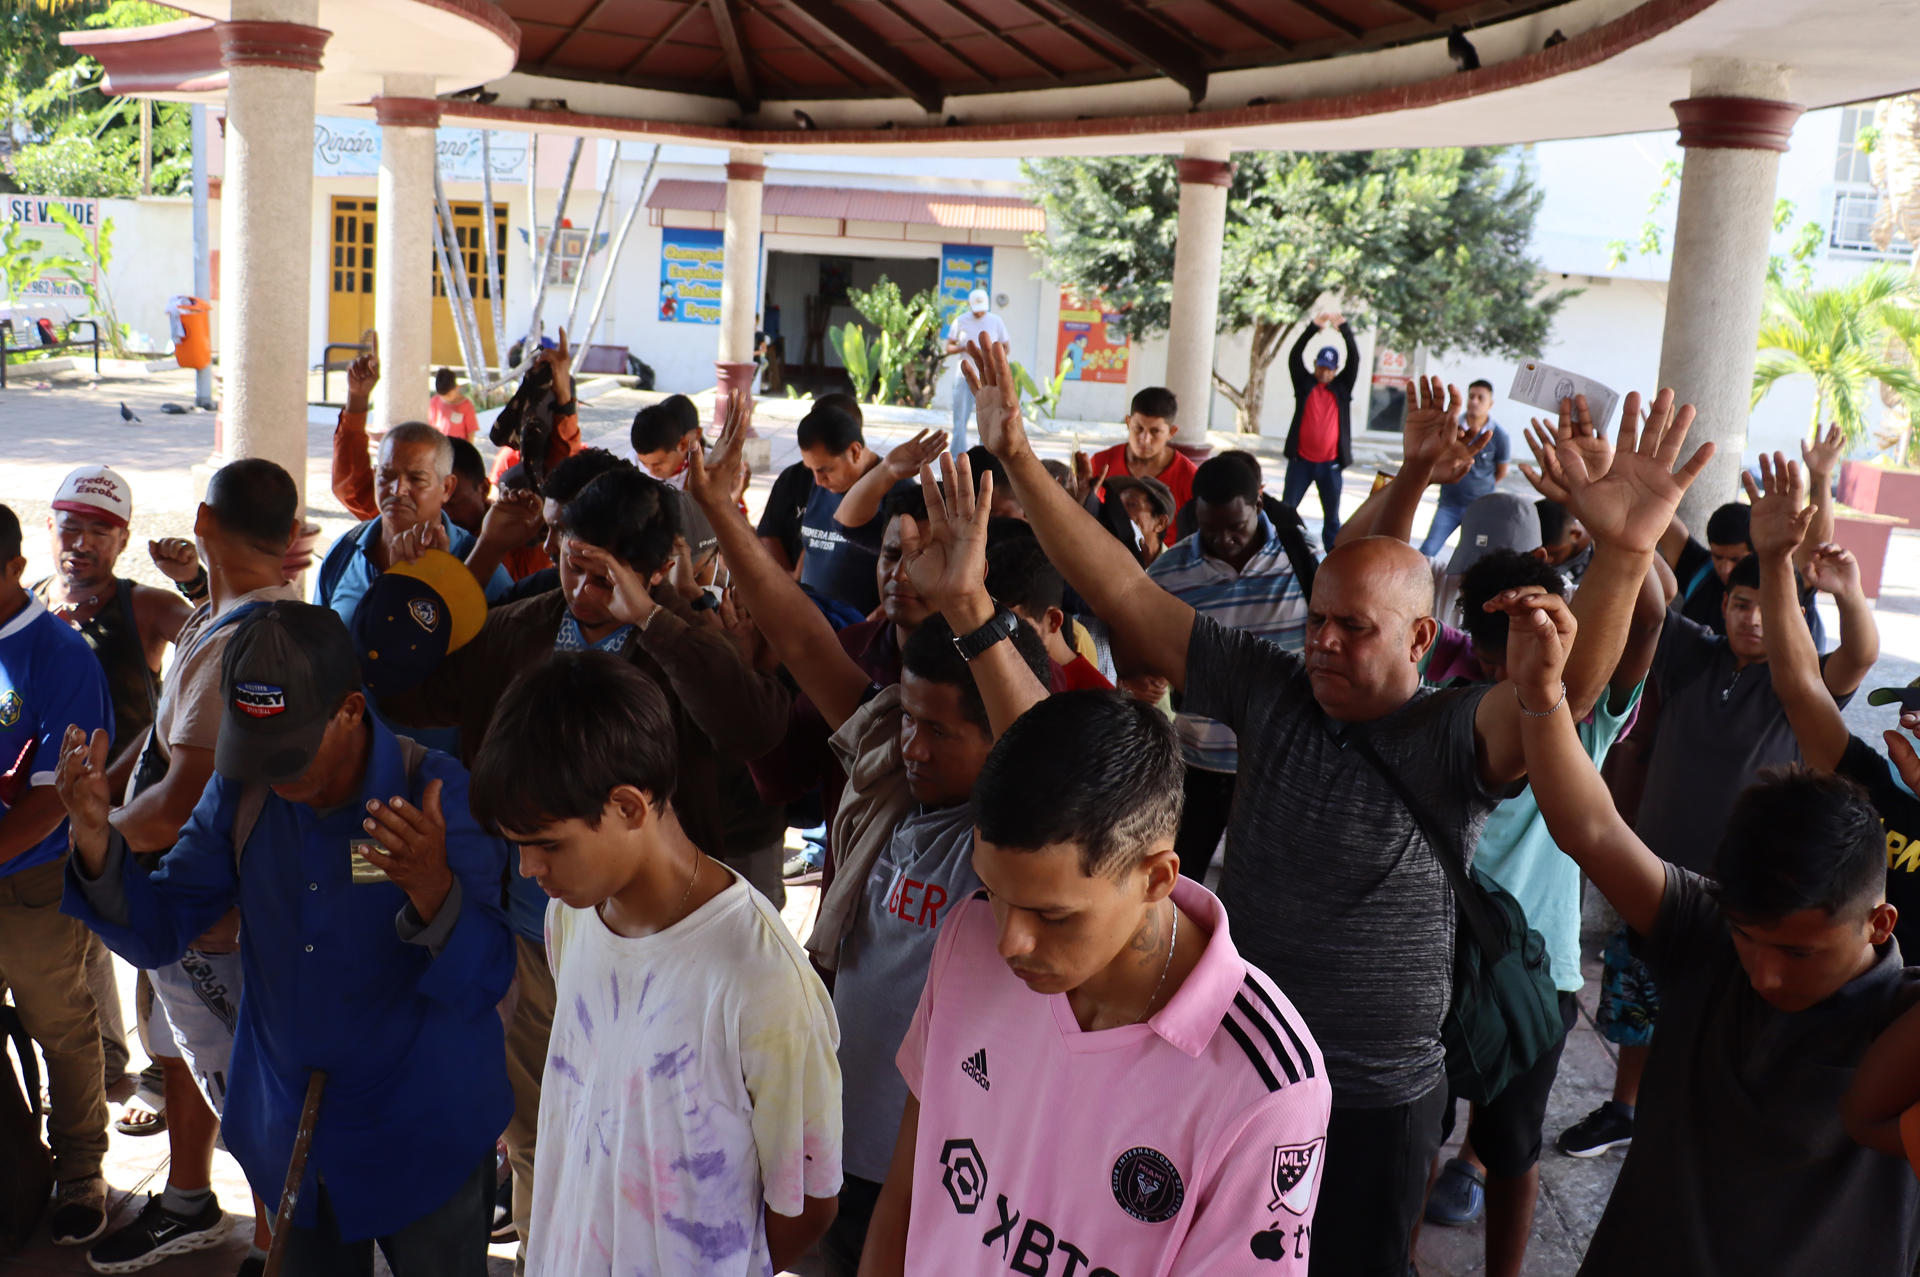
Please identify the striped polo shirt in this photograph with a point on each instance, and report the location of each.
(1262, 598)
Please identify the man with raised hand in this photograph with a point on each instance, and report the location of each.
(1341, 897)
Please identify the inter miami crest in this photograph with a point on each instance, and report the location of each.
(1147, 1185)
(1295, 1169)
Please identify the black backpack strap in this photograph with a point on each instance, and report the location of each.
(1292, 532)
(1466, 897)
(123, 594)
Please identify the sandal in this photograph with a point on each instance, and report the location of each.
(140, 1118)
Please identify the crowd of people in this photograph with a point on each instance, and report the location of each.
(456, 891)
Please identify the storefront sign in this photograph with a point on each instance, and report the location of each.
(691, 265)
(963, 268)
(351, 148)
(34, 211)
(1092, 341)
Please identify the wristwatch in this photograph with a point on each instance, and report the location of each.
(972, 645)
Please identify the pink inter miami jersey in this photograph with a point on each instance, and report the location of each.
(1192, 1143)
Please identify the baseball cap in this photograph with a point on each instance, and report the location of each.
(1327, 358)
(1907, 698)
(284, 673)
(98, 493)
(412, 616)
(977, 299)
(1157, 491)
(1497, 521)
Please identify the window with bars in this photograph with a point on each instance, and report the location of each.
(1856, 204)
(353, 226)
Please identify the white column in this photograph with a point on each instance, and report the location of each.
(740, 276)
(1204, 178)
(403, 249)
(271, 51)
(1734, 127)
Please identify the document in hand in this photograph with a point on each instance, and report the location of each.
(1544, 386)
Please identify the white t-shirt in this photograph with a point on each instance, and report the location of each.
(691, 1076)
(970, 327)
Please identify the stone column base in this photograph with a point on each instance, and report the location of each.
(735, 379)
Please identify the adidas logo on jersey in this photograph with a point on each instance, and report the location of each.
(975, 1067)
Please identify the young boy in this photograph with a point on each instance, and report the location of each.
(690, 1111)
(662, 436)
(450, 411)
(1148, 452)
(1775, 978)
(1020, 579)
(1100, 1082)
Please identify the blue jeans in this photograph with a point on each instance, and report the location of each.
(1327, 477)
(962, 413)
(1445, 520)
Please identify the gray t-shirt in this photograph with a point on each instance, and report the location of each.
(1718, 727)
(926, 869)
(1740, 1162)
(1331, 886)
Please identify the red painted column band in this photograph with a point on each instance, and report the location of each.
(738, 172)
(1736, 124)
(271, 44)
(407, 113)
(1205, 172)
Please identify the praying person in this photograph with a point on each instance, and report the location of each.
(1320, 438)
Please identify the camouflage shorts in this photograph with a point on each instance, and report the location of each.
(1629, 1000)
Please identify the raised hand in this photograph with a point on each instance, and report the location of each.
(1433, 436)
(176, 558)
(1823, 455)
(738, 623)
(417, 540)
(1540, 632)
(630, 600)
(513, 520)
(713, 476)
(363, 374)
(1781, 514)
(1833, 570)
(413, 848)
(996, 398)
(949, 567)
(905, 460)
(1576, 434)
(81, 781)
(560, 360)
(1632, 504)
(1901, 751)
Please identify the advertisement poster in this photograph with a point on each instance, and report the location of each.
(351, 148)
(690, 270)
(963, 268)
(32, 214)
(1092, 341)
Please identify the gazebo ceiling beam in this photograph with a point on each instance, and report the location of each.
(880, 57)
(1149, 42)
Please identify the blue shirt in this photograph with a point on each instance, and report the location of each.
(49, 678)
(405, 1028)
(1478, 481)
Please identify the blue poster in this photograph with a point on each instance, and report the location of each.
(691, 265)
(963, 268)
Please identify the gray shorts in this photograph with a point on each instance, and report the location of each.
(196, 1004)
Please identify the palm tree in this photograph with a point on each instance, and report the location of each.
(1839, 336)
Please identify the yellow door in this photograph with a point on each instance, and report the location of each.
(350, 299)
(472, 253)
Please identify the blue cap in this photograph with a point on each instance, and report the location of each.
(1327, 358)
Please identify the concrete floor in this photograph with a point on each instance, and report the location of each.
(67, 420)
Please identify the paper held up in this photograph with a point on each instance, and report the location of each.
(1543, 386)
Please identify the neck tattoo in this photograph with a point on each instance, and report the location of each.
(1164, 967)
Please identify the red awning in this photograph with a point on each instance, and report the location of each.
(953, 212)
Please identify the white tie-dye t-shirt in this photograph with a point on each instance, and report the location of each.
(691, 1077)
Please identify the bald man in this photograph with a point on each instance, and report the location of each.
(1332, 886)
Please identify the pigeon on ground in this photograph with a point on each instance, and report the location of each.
(804, 120)
(1461, 50)
(174, 409)
(126, 414)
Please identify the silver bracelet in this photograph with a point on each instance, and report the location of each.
(1549, 712)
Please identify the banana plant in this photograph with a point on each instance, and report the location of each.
(1041, 401)
(851, 341)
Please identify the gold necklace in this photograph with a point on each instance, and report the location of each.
(1165, 967)
(688, 893)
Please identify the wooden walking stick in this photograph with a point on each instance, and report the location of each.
(296, 1171)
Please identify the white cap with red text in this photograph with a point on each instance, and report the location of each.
(97, 492)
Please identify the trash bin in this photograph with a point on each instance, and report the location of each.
(192, 343)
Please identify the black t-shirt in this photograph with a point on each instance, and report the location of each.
(1900, 813)
(1740, 1162)
(1702, 593)
(785, 506)
(841, 563)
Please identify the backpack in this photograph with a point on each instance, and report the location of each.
(26, 1167)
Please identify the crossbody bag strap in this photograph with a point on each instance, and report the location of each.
(1466, 900)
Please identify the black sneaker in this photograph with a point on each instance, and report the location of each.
(1605, 1128)
(156, 1234)
(79, 1212)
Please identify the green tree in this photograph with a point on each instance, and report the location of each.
(1431, 245)
(1845, 338)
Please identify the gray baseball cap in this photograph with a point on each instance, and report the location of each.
(1497, 521)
